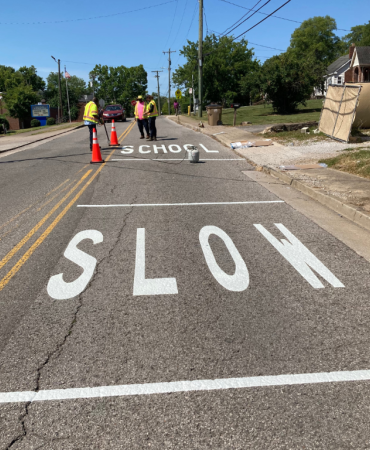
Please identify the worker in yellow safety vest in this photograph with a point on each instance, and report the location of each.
(91, 117)
(140, 117)
(151, 114)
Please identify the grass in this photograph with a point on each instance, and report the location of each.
(284, 137)
(45, 129)
(264, 114)
(352, 161)
(70, 125)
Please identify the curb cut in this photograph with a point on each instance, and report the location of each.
(349, 212)
(42, 139)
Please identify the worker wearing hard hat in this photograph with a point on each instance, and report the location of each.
(151, 114)
(91, 117)
(140, 117)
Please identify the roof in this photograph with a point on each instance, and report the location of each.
(363, 54)
(337, 64)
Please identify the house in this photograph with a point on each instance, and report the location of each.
(359, 70)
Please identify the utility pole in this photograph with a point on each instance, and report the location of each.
(159, 94)
(200, 59)
(69, 109)
(169, 78)
(60, 108)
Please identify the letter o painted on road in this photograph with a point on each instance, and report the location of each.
(237, 282)
(171, 148)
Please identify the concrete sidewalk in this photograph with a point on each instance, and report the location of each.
(346, 194)
(15, 141)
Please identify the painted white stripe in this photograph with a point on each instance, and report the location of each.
(176, 159)
(184, 386)
(178, 204)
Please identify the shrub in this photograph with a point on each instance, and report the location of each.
(35, 123)
(3, 124)
(50, 121)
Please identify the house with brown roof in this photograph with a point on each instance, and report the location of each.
(359, 70)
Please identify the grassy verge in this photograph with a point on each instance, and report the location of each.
(352, 161)
(264, 114)
(44, 129)
(60, 127)
(298, 138)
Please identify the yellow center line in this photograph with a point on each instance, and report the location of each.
(125, 133)
(84, 167)
(64, 182)
(50, 228)
(56, 195)
(42, 221)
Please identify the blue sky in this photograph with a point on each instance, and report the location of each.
(140, 37)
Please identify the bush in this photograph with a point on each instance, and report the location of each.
(50, 121)
(35, 123)
(3, 124)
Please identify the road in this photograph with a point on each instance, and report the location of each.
(149, 302)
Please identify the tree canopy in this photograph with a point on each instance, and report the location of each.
(225, 62)
(359, 35)
(316, 39)
(120, 84)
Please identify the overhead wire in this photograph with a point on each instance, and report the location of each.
(225, 32)
(205, 18)
(277, 17)
(182, 19)
(88, 18)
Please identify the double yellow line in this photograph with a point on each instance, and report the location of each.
(50, 228)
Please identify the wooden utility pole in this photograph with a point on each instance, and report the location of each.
(169, 78)
(159, 94)
(200, 60)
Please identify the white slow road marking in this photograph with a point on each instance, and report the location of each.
(176, 159)
(184, 386)
(179, 204)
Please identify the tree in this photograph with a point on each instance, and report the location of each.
(315, 39)
(225, 62)
(19, 100)
(6, 73)
(359, 35)
(120, 84)
(76, 89)
(289, 82)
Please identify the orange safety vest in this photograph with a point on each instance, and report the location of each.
(91, 109)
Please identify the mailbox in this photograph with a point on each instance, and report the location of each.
(235, 105)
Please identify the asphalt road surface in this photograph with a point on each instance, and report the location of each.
(151, 302)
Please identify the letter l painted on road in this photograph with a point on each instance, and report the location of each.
(300, 257)
(150, 286)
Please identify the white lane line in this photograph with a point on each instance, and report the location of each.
(184, 386)
(176, 159)
(178, 204)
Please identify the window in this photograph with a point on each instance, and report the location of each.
(339, 80)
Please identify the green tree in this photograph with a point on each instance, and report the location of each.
(19, 99)
(6, 73)
(225, 62)
(76, 89)
(315, 39)
(120, 84)
(359, 35)
(288, 82)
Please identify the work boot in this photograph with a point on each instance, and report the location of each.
(154, 139)
(142, 137)
(147, 136)
(151, 139)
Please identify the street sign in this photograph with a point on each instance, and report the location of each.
(178, 94)
(38, 111)
(133, 103)
(101, 103)
(190, 90)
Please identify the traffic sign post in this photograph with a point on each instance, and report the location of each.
(178, 94)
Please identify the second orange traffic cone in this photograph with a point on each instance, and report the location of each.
(96, 156)
(113, 135)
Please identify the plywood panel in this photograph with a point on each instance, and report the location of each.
(330, 109)
(362, 118)
(346, 113)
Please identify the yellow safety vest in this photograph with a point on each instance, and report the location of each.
(137, 113)
(91, 109)
(154, 113)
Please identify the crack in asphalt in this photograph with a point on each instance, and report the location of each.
(59, 348)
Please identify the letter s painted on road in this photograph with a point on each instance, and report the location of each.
(60, 290)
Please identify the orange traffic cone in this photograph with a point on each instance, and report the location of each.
(96, 156)
(113, 135)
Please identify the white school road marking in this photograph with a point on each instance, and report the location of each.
(179, 204)
(184, 386)
(176, 159)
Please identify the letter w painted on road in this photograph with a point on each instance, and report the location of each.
(300, 257)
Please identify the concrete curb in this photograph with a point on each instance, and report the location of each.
(41, 139)
(344, 210)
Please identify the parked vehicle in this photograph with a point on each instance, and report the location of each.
(115, 112)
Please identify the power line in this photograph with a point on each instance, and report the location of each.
(182, 18)
(254, 26)
(225, 32)
(88, 18)
(173, 20)
(277, 17)
(205, 17)
(259, 45)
